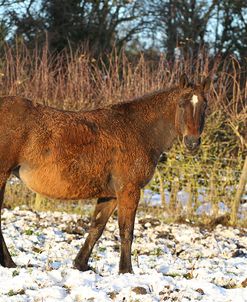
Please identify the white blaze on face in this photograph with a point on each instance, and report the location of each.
(194, 101)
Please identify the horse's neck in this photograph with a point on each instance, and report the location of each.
(158, 114)
(156, 103)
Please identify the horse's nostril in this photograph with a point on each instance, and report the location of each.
(192, 142)
(186, 140)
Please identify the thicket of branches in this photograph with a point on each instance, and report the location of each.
(177, 27)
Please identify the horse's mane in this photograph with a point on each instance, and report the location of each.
(147, 97)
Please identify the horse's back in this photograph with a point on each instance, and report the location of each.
(67, 155)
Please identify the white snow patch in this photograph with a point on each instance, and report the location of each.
(171, 262)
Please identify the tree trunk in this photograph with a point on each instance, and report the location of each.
(239, 193)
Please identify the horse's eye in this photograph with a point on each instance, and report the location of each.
(205, 105)
(181, 103)
(207, 110)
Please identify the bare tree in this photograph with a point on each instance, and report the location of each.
(233, 20)
(101, 24)
(184, 23)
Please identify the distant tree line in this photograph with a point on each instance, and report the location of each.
(173, 26)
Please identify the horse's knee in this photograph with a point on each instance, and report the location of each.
(96, 231)
(126, 234)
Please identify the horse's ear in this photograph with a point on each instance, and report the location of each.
(206, 84)
(184, 81)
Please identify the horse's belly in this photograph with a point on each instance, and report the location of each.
(50, 181)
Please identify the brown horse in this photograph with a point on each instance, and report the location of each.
(109, 153)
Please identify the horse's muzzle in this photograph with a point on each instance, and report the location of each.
(192, 143)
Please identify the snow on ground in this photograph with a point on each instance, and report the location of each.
(205, 207)
(171, 262)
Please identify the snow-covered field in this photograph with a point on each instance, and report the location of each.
(171, 262)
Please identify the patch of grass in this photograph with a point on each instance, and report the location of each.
(101, 248)
(15, 273)
(29, 232)
(37, 250)
(157, 252)
(230, 286)
(188, 275)
(12, 293)
(13, 252)
(173, 275)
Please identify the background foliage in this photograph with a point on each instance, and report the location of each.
(178, 27)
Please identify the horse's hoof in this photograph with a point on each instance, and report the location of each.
(83, 267)
(9, 264)
(12, 265)
(126, 271)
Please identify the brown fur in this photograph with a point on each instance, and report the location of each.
(108, 153)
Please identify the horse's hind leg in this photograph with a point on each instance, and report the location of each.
(102, 212)
(5, 258)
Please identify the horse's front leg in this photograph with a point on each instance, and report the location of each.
(5, 258)
(128, 200)
(102, 212)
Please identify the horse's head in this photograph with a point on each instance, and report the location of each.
(190, 112)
